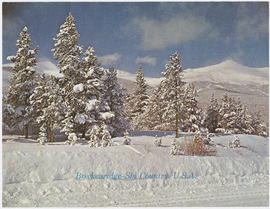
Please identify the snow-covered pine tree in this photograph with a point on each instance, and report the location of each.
(46, 106)
(95, 112)
(8, 115)
(259, 128)
(172, 92)
(228, 116)
(152, 118)
(138, 100)
(22, 80)
(192, 117)
(212, 115)
(67, 52)
(115, 97)
(246, 121)
(239, 126)
(88, 93)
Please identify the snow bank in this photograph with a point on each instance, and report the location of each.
(60, 175)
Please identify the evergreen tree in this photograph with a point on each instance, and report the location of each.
(152, 118)
(192, 119)
(138, 100)
(172, 92)
(22, 79)
(258, 127)
(228, 116)
(46, 107)
(95, 108)
(67, 52)
(212, 115)
(89, 93)
(8, 115)
(115, 97)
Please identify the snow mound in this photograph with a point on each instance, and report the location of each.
(61, 175)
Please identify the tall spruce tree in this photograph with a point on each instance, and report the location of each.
(67, 52)
(46, 106)
(212, 115)
(227, 112)
(172, 91)
(138, 101)
(22, 81)
(115, 97)
(192, 120)
(152, 118)
(95, 109)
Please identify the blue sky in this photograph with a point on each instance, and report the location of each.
(128, 34)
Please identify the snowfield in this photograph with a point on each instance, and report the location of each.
(60, 175)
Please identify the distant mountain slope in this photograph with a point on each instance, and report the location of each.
(228, 72)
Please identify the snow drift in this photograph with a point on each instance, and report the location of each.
(44, 176)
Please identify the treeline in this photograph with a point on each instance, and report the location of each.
(174, 105)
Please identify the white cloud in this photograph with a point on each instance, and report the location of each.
(160, 34)
(148, 60)
(250, 28)
(109, 59)
(46, 66)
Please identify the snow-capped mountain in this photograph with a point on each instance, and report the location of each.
(227, 72)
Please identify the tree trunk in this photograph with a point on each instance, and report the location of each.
(176, 125)
(49, 137)
(26, 131)
(50, 134)
(83, 134)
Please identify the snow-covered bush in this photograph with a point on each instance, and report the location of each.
(106, 138)
(127, 140)
(94, 140)
(100, 136)
(157, 141)
(207, 140)
(235, 143)
(72, 139)
(175, 148)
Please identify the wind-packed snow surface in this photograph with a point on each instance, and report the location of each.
(61, 175)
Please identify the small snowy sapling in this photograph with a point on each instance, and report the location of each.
(127, 140)
(157, 141)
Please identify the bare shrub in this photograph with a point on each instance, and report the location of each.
(193, 146)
